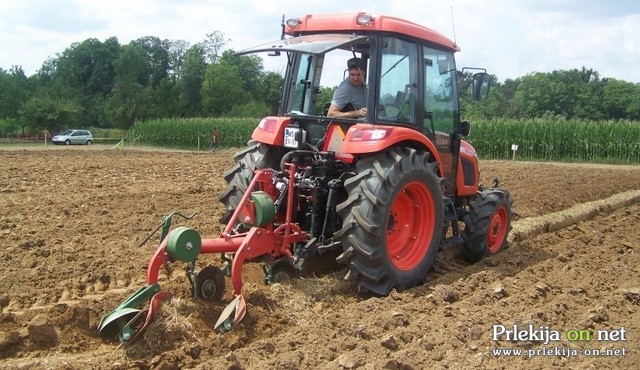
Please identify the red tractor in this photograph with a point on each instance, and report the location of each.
(386, 186)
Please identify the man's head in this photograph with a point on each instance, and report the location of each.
(356, 63)
(357, 68)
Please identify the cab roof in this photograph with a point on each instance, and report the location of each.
(353, 22)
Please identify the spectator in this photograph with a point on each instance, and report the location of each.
(214, 139)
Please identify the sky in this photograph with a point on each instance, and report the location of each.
(509, 38)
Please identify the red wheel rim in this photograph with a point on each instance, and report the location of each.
(410, 226)
(497, 230)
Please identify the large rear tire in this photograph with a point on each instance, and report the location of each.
(393, 221)
(487, 225)
(255, 156)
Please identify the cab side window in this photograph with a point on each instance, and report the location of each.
(398, 81)
(439, 91)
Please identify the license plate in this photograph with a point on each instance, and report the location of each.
(290, 134)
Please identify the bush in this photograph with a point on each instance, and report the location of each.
(8, 126)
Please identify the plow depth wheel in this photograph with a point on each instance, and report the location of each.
(210, 283)
(487, 225)
(281, 271)
(392, 220)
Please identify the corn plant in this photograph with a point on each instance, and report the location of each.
(557, 140)
(188, 133)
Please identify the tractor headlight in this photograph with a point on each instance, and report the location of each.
(364, 19)
(294, 22)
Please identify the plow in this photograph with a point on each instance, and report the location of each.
(249, 234)
(184, 244)
(385, 188)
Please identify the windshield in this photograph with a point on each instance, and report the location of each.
(66, 133)
(316, 64)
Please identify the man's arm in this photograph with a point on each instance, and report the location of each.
(335, 112)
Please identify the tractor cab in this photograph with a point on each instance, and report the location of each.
(411, 84)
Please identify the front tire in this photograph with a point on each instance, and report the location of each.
(487, 225)
(393, 220)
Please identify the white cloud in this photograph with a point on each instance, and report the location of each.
(509, 38)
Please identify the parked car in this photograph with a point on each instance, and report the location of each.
(73, 137)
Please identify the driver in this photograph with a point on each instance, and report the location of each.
(350, 98)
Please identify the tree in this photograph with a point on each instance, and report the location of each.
(44, 76)
(324, 97)
(571, 94)
(508, 90)
(212, 44)
(251, 109)
(8, 126)
(621, 99)
(164, 60)
(157, 54)
(45, 112)
(250, 69)
(129, 99)
(190, 84)
(177, 53)
(164, 100)
(85, 72)
(14, 92)
(271, 90)
(222, 89)
(534, 96)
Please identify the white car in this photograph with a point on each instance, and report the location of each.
(73, 137)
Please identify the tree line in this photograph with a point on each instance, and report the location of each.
(108, 85)
(105, 84)
(565, 94)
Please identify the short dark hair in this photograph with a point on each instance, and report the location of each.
(356, 63)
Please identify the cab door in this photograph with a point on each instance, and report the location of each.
(441, 110)
(397, 90)
(303, 84)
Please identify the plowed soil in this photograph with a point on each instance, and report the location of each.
(71, 220)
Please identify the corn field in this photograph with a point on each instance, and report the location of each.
(557, 140)
(537, 139)
(187, 133)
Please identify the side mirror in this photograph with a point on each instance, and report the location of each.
(464, 128)
(481, 82)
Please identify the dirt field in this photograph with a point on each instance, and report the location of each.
(71, 220)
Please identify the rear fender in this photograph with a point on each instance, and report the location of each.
(271, 130)
(368, 138)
